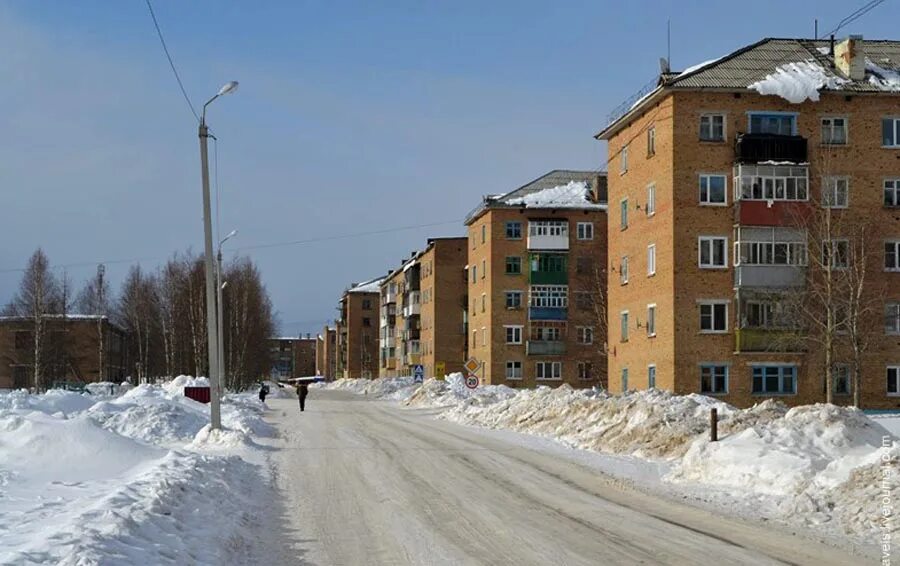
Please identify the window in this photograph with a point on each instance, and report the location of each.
(583, 300)
(712, 127)
(892, 192)
(713, 379)
(585, 334)
(548, 370)
(765, 314)
(712, 189)
(623, 160)
(623, 270)
(834, 131)
(651, 199)
(772, 182)
(836, 253)
(624, 379)
(483, 301)
(367, 304)
(366, 321)
(584, 264)
(779, 124)
(714, 317)
(513, 370)
(891, 318)
(483, 233)
(840, 373)
(651, 320)
(474, 337)
(585, 371)
(483, 336)
(554, 296)
(547, 331)
(474, 273)
(651, 260)
(483, 268)
(514, 299)
(835, 192)
(893, 380)
(890, 132)
(770, 253)
(623, 213)
(651, 141)
(585, 231)
(513, 334)
(513, 230)
(513, 265)
(892, 255)
(623, 326)
(774, 380)
(651, 376)
(24, 340)
(713, 252)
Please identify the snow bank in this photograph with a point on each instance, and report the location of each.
(574, 194)
(386, 388)
(797, 82)
(453, 390)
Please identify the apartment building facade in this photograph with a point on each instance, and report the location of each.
(327, 366)
(77, 348)
(357, 331)
(444, 311)
(536, 282)
(391, 325)
(716, 179)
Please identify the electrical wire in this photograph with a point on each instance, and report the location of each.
(858, 13)
(171, 62)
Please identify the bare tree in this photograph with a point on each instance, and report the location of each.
(94, 299)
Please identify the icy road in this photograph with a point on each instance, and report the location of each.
(367, 482)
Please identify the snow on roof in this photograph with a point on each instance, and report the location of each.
(796, 82)
(371, 286)
(574, 194)
(885, 79)
(699, 66)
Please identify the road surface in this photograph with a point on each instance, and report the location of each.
(366, 482)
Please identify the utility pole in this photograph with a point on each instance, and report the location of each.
(215, 416)
(220, 317)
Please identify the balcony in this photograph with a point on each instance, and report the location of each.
(545, 348)
(767, 340)
(548, 235)
(548, 269)
(388, 342)
(389, 298)
(410, 335)
(769, 276)
(547, 313)
(412, 310)
(757, 148)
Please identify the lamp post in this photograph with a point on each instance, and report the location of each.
(220, 318)
(215, 416)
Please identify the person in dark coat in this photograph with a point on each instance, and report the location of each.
(302, 392)
(263, 391)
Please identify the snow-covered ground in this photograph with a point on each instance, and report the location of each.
(818, 466)
(130, 475)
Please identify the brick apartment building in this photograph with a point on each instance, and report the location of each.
(76, 348)
(423, 311)
(326, 365)
(293, 356)
(357, 331)
(536, 272)
(706, 178)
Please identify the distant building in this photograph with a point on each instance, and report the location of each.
(357, 331)
(293, 356)
(328, 366)
(76, 348)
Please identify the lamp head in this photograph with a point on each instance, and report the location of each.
(229, 87)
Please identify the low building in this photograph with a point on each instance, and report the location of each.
(74, 348)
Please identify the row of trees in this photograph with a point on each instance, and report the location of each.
(163, 313)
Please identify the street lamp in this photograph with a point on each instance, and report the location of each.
(220, 287)
(215, 415)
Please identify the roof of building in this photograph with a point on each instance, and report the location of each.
(793, 68)
(560, 188)
(370, 286)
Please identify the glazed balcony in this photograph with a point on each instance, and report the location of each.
(548, 235)
(767, 340)
(548, 269)
(769, 276)
(759, 148)
(545, 347)
(547, 313)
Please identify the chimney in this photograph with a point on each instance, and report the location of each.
(849, 58)
(598, 188)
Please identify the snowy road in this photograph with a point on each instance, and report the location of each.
(369, 483)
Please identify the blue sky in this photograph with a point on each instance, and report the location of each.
(351, 117)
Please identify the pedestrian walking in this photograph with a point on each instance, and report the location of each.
(302, 392)
(263, 391)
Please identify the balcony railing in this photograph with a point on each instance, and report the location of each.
(756, 148)
(389, 298)
(547, 313)
(767, 340)
(769, 276)
(545, 348)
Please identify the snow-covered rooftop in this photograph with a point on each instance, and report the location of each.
(574, 194)
(797, 82)
(371, 286)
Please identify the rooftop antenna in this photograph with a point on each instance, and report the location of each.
(669, 41)
(817, 29)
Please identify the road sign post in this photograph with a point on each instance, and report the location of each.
(419, 373)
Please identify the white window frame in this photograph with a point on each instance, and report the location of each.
(651, 384)
(555, 371)
(548, 228)
(651, 260)
(774, 182)
(895, 120)
(623, 326)
(831, 127)
(623, 270)
(707, 202)
(712, 303)
(585, 334)
(651, 320)
(549, 296)
(710, 240)
(651, 199)
(710, 116)
(892, 318)
(896, 246)
(513, 369)
(830, 187)
(585, 230)
(896, 369)
(513, 328)
(891, 186)
(623, 160)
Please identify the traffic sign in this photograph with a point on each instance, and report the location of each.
(472, 365)
(472, 381)
(440, 369)
(419, 373)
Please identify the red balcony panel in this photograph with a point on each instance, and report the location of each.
(779, 213)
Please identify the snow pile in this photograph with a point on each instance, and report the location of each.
(883, 78)
(797, 82)
(574, 194)
(453, 390)
(177, 385)
(386, 388)
(53, 401)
